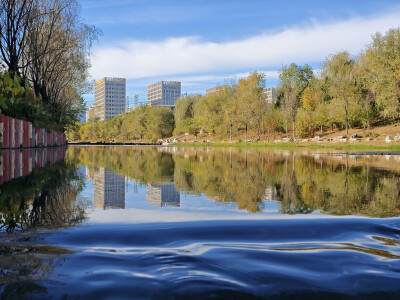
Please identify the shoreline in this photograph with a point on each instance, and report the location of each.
(290, 145)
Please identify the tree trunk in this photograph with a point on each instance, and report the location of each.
(287, 134)
(230, 132)
(294, 133)
(246, 134)
(347, 119)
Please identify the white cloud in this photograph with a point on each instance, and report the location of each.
(190, 55)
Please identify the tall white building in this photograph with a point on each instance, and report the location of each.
(90, 113)
(109, 97)
(270, 95)
(163, 93)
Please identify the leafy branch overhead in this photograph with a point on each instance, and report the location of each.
(46, 47)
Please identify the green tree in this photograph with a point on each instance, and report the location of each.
(184, 113)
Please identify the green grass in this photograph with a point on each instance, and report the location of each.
(291, 145)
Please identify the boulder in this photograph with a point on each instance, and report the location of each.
(389, 139)
(277, 141)
(397, 137)
(354, 139)
(286, 140)
(354, 135)
(338, 138)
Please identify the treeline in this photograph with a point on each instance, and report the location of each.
(149, 123)
(347, 92)
(44, 56)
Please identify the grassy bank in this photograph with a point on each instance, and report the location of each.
(292, 145)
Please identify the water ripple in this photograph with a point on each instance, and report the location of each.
(347, 257)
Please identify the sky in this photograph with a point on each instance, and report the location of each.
(202, 43)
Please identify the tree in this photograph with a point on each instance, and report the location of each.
(339, 71)
(160, 122)
(251, 105)
(45, 43)
(58, 53)
(382, 62)
(184, 112)
(293, 81)
(230, 108)
(16, 18)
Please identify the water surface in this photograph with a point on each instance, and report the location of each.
(178, 222)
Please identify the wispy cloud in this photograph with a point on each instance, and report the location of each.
(191, 55)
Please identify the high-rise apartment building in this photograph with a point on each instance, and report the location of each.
(109, 97)
(163, 93)
(90, 114)
(270, 95)
(109, 189)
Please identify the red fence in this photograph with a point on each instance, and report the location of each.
(21, 134)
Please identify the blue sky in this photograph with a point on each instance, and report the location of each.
(201, 43)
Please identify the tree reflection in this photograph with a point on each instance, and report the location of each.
(44, 199)
(303, 183)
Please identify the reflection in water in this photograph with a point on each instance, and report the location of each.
(109, 189)
(230, 254)
(44, 198)
(38, 190)
(300, 182)
(163, 194)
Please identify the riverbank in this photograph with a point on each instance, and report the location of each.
(291, 145)
(112, 144)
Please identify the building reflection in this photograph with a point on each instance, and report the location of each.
(109, 189)
(164, 195)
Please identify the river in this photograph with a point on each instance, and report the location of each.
(123, 222)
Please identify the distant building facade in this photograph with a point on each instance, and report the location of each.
(212, 90)
(109, 189)
(163, 93)
(109, 97)
(163, 194)
(90, 114)
(271, 95)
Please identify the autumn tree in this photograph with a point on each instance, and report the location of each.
(339, 71)
(251, 104)
(381, 63)
(292, 82)
(184, 113)
(230, 109)
(16, 17)
(46, 44)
